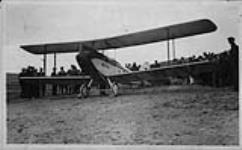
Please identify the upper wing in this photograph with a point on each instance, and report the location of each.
(182, 70)
(138, 38)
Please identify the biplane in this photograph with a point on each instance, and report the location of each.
(108, 72)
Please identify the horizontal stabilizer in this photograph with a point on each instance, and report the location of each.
(132, 39)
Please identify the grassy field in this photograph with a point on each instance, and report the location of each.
(168, 115)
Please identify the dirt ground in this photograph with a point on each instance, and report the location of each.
(168, 115)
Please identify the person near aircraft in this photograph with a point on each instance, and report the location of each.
(128, 66)
(41, 72)
(32, 88)
(40, 87)
(73, 71)
(155, 65)
(234, 62)
(23, 85)
(54, 86)
(63, 88)
(135, 67)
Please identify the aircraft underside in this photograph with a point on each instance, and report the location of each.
(99, 67)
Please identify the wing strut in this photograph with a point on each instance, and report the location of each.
(173, 48)
(168, 46)
(44, 61)
(168, 51)
(55, 64)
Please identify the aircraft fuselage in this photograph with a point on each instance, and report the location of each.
(99, 66)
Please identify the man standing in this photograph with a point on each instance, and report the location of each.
(54, 86)
(234, 61)
(23, 85)
(63, 87)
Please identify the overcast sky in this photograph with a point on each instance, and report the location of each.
(33, 23)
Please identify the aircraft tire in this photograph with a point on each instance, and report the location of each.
(85, 92)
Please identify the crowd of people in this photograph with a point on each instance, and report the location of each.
(133, 67)
(205, 56)
(29, 90)
(63, 88)
(31, 71)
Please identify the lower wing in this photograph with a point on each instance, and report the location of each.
(181, 70)
(56, 79)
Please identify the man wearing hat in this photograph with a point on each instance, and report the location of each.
(234, 61)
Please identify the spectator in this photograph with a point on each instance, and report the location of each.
(155, 65)
(128, 65)
(53, 73)
(63, 88)
(54, 86)
(41, 72)
(39, 86)
(31, 71)
(135, 67)
(234, 62)
(23, 85)
(62, 72)
(73, 71)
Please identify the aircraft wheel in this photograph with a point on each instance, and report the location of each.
(85, 92)
(115, 90)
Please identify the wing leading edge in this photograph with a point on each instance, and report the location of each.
(144, 37)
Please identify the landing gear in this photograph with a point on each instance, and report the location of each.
(113, 86)
(85, 89)
(190, 80)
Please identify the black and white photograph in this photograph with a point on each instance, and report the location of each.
(121, 73)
